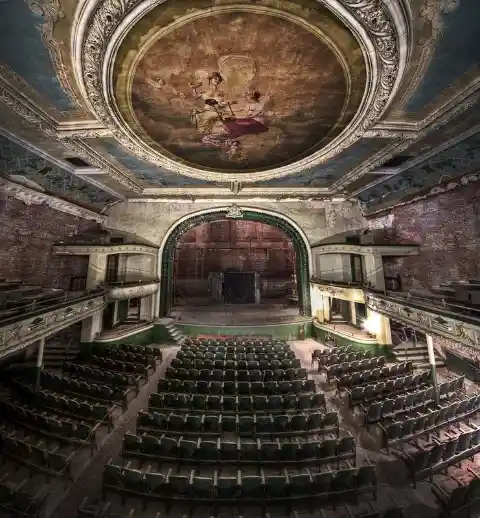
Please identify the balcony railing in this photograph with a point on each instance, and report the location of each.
(21, 310)
(435, 303)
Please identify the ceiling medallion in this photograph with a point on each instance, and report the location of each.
(223, 116)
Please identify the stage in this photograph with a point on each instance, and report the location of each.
(267, 320)
(237, 314)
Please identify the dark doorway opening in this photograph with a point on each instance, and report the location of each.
(239, 287)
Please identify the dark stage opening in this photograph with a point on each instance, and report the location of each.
(234, 262)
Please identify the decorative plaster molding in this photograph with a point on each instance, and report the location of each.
(61, 249)
(81, 129)
(234, 212)
(14, 337)
(387, 250)
(430, 321)
(100, 30)
(52, 12)
(121, 292)
(33, 197)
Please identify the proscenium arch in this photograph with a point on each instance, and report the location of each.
(303, 254)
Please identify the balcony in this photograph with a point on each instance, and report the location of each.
(36, 322)
(430, 314)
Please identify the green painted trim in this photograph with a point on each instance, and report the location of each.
(301, 252)
(320, 332)
(290, 331)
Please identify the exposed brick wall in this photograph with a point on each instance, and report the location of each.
(447, 227)
(27, 234)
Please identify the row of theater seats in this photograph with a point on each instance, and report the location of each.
(232, 387)
(236, 374)
(359, 395)
(348, 381)
(425, 423)
(338, 369)
(418, 400)
(324, 360)
(237, 404)
(242, 425)
(240, 451)
(268, 362)
(259, 489)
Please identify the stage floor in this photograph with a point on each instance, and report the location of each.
(238, 314)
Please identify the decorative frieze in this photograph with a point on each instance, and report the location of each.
(103, 249)
(430, 321)
(14, 337)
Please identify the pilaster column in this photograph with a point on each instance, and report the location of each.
(146, 307)
(374, 271)
(353, 313)
(433, 367)
(39, 365)
(384, 336)
(91, 326)
(97, 269)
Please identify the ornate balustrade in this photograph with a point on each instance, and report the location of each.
(427, 317)
(352, 291)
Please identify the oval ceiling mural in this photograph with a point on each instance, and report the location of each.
(239, 89)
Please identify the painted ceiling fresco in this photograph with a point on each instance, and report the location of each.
(240, 91)
(23, 166)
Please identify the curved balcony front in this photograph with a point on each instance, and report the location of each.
(132, 289)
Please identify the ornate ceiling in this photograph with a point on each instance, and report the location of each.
(372, 100)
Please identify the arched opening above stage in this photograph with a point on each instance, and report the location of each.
(233, 261)
(257, 259)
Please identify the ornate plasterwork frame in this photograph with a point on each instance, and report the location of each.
(381, 29)
(33, 197)
(51, 12)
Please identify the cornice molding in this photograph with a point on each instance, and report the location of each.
(14, 337)
(60, 249)
(32, 197)
(430, 321)
(387, 250)
(381, 27)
